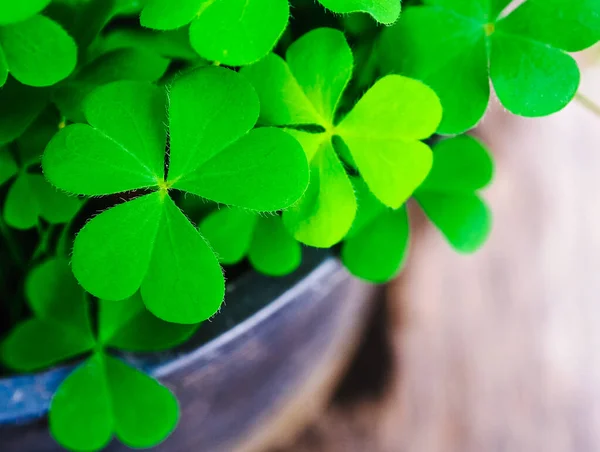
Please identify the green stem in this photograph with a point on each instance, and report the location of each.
(587, 103)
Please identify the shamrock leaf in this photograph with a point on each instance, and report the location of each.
(20, 105)
(35, 50)
(148, 242)
(236, 233)
(60, 328)
(247, 29)
(105, 395)
(381, 132)
(8, 166)
(376, 247)
(119, 64)
(31, 197)
(384, 11)
(11, 12)
(461, 167)
(451, 44)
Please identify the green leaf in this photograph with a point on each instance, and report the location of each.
(3, 68)
(463, 219)
(265, 170)
(384, 11)
(210, 108)
(461, 164)
(391, 117)
(247, 29)
(273, 250)
(122, 150)
(31, 196)
(105, 396)
(531, 78)
(112, 252)
(163, 15)
(19, 106)
(38, 51)
(184, 282)
(563, 24)
(11, 11)
(321, 61)
(379, 250)
(282, 101)
(325, 213)
(127, 325)
(172, 44)
(61, 322)
(229, 232)
(80, 411)
(31, 144)
(8, 167)
(119, 64)
(447, 52)
(376, 246)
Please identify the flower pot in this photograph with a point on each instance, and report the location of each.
(247, 380)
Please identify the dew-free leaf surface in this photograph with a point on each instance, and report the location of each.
(236, 233)
(384, 11)
(247, 29)
(381, 133)
(147, 242)
(449, 45)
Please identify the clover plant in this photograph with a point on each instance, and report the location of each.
(146, 146)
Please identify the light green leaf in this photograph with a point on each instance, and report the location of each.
(282, 101)
(61, 322)
(384, 11)
(323, 216)
(229, 232)
(119, 64)
(163, 15)
(184, 282)
(460, 164)
(381, 133)
(8, 167)
(446, 52)
(247, 29)
(112, 252)
(273, 250)
(38, 51)
(310, 142)
(122, 150)
(567, 25)
(31, 197)
(13, 11)
(19, 106)
(127, 325)
(265, 170)
(479, 10)
(462, 218)
(531, 78)
(80, 411)
(322, 62)
(378, 251)
(210, 108)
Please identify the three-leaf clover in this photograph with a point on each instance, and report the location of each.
(455, 46)
(376, 247)
(381, 133)
(34, 49)
(237, 233)
(102, 396)
(147, 242)
(247, 29)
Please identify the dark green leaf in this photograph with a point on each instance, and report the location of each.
(273, 250)
(8, 167)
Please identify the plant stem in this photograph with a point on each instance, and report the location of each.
(587, 103)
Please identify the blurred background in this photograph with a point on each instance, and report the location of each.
(498, 351)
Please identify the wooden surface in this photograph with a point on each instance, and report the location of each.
(499, 351)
